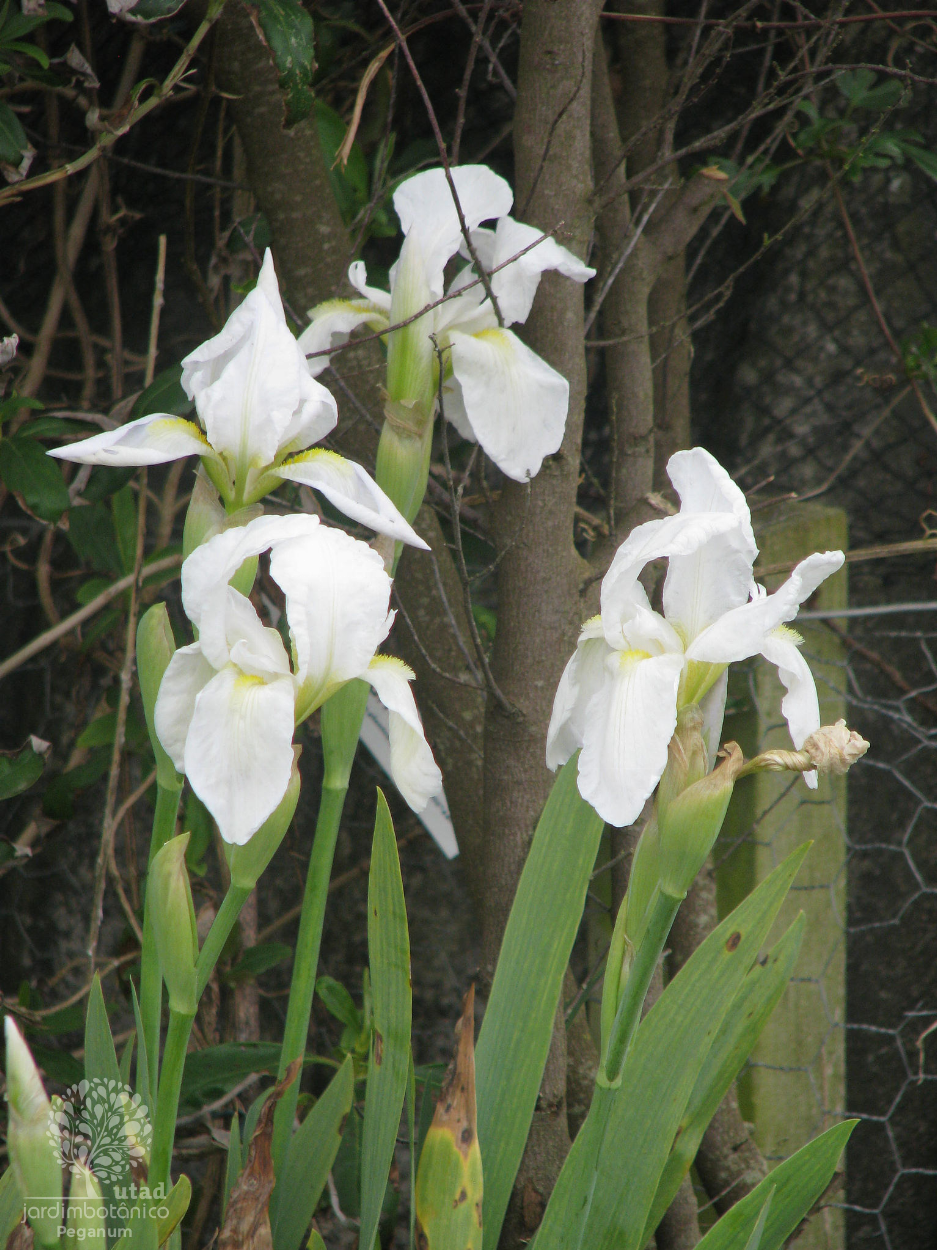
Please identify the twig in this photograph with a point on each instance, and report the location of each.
(136, 114)
(335, 884)
(627, 248)
(427, 658)
(158, 302)
(64, 627)
(134, 797)
(854, 449)
(219, 1102)
(488, 49)
(44, 576)
(873, 300)
(478, 29)
(916, 546)
(908, 15)
(34, 1017)
(444, 160)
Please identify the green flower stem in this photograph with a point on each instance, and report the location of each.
(218, 934)
(167, 1102)
(151, 981)
(628, 1015)
(306, 961)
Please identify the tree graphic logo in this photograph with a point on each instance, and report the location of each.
(101, 1125)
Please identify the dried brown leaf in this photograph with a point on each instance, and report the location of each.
(247, 1220)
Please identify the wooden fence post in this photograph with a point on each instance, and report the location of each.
(795, 1085)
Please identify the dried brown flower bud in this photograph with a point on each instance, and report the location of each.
(835, 748)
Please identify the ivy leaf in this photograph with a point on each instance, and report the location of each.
(21, 769)
(26, 469)
(287, 30)
(13, 141)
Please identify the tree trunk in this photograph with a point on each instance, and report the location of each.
(538, 576)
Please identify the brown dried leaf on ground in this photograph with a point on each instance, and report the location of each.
(247, 1221)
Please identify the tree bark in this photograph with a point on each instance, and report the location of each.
(645, 74)
(629, 376)
(538, 576)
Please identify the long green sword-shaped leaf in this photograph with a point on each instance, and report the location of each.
(309, 1160)
(740, 1029)
(797, 1184)
(100, 1055)
(607, 1186)
(11, 1204)
(515, 1034)
(389, 1067)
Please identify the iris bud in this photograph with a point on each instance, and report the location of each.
(169, 905)
(36, 1162)
(155, 648)
(692, 821)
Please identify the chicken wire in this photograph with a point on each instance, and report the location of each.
(814, 402)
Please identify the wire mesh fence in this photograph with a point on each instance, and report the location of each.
(818, 406)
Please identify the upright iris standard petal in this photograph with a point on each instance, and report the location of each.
(427, 210)
(718, 575)
(155, 439)
(353, 491)
(337, 599)
(514, 401)
(206, 573)
(629, 724)
(680, 535)
(252, 385)
(415, 772)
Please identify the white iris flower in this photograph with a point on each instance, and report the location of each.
(228, 704)
(633, 668)
(259, 410)
(497, 391)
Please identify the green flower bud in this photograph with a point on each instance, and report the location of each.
(205, 515)
(687, 761)
(248, 862)
(87, 1212)
(409, 350)
(172, 915)
(35, 1159)
(155, 648)
(691, 824)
